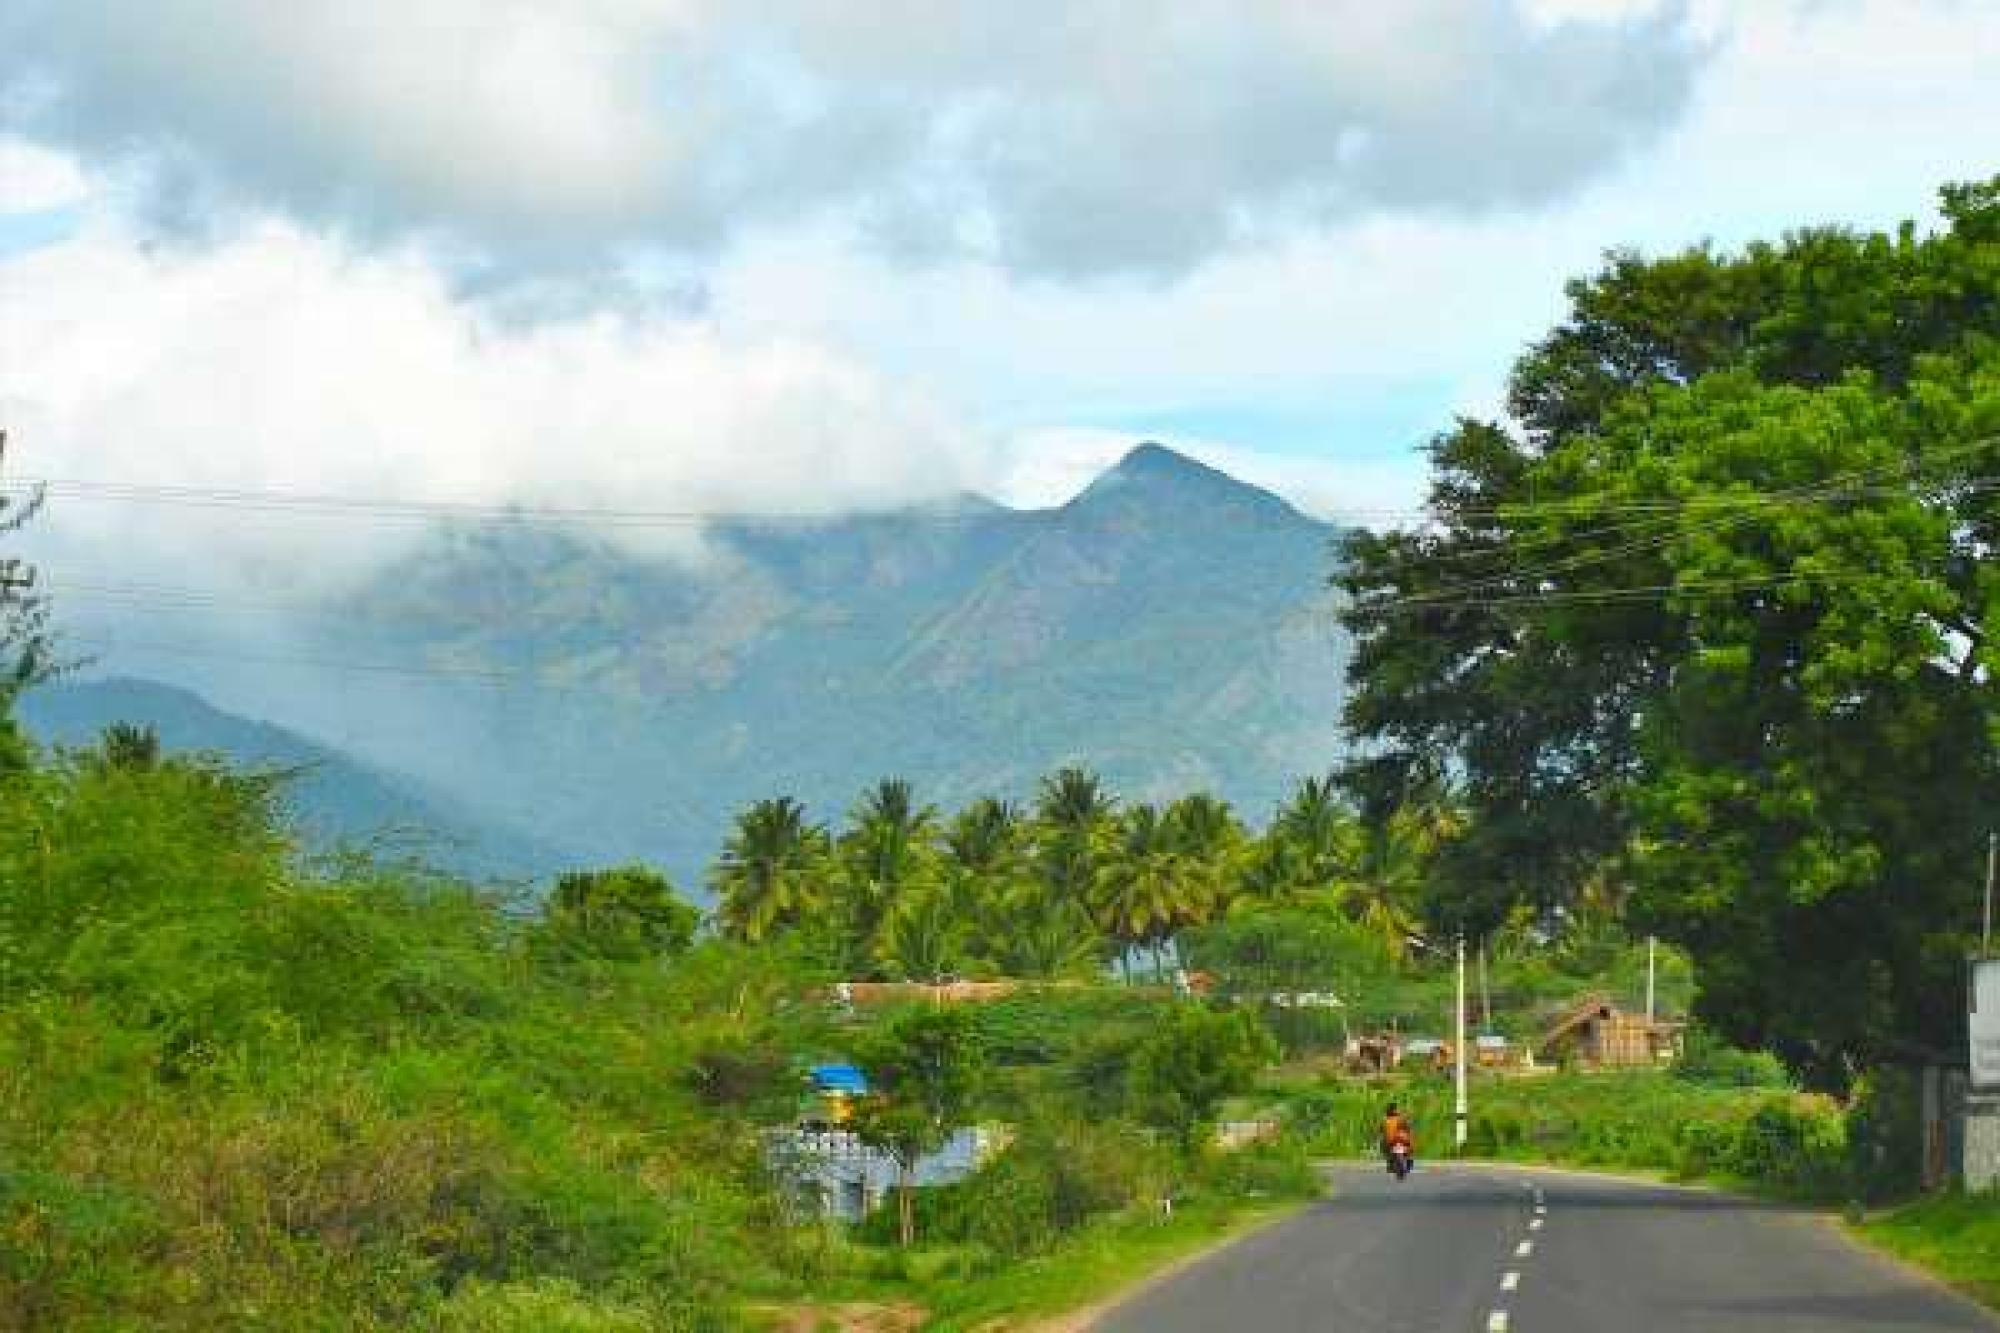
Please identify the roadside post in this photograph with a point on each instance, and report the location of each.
(1458, 1056)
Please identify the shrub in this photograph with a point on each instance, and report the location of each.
(1708, 1059)
(1280, 1170)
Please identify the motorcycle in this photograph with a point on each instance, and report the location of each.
(1400, 1161)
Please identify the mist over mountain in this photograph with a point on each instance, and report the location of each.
(334, 799)
(1169, 626)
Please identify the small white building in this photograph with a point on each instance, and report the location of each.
(836, 1175)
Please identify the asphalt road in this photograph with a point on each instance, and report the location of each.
(1479, 1250)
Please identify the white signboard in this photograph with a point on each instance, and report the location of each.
(1985, 1025)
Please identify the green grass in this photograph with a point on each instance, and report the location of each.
(1094, 1264)
(1955, 1236)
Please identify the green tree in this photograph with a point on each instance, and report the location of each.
(888, 854)
(1016, 924)
(128, 746)
(1196, 1058)
(1144, 886)
(1384, 890)
(1212, 846)
(1073, 818)
(626, 913)
(1712, 618)
(1319, 836)
(925, 935)
(772, 873)
(925, 1068)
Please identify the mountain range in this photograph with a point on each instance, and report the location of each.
(603, 695)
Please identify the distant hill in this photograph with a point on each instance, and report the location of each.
(334, 799)
(627, 691)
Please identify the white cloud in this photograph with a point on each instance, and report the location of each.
(283, 362)
(36, 180)
(1080, 139)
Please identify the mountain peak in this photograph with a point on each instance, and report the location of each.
(1152, 477)
(1157, 460)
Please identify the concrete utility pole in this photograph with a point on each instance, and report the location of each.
(1458, 1052)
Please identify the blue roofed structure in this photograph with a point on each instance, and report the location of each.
(837, 1078)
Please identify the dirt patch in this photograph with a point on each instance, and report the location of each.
(856, 1317)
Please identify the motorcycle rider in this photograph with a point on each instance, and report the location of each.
(1396, 1130)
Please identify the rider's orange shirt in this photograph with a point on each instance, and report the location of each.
(1396, 1129)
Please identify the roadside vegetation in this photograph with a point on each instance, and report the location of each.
(242, 1090)
(1952, 1235)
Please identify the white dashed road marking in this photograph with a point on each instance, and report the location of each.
(1535, 1225)
(1524, 1249)
(1510, 1281)
(1496, 1322)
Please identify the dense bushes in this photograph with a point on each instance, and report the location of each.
(233, 1093)
(1054, 1178)
(1791, 1143)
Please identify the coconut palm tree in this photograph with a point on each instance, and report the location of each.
(1320, 834)
(1143, 886)
(772, 873)
(1212, 845)
(987, 872)
(924, 935)
(1073, 797)
(1073, 818)
(1386, 886)
(1047, 938)
(888, 852)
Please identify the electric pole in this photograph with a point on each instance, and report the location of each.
(1458, 1053)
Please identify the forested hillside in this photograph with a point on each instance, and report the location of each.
(628, 688)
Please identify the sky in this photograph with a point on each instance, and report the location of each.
(802, 255)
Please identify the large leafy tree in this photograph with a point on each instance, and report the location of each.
(624, 913)
(773, 871)
(1711, 617)
(1180, 1074)
(926, 1067)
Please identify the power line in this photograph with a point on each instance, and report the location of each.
(1634, 594)
(307, 504)
(320, 663)
(1818, 494)
(321, 504)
